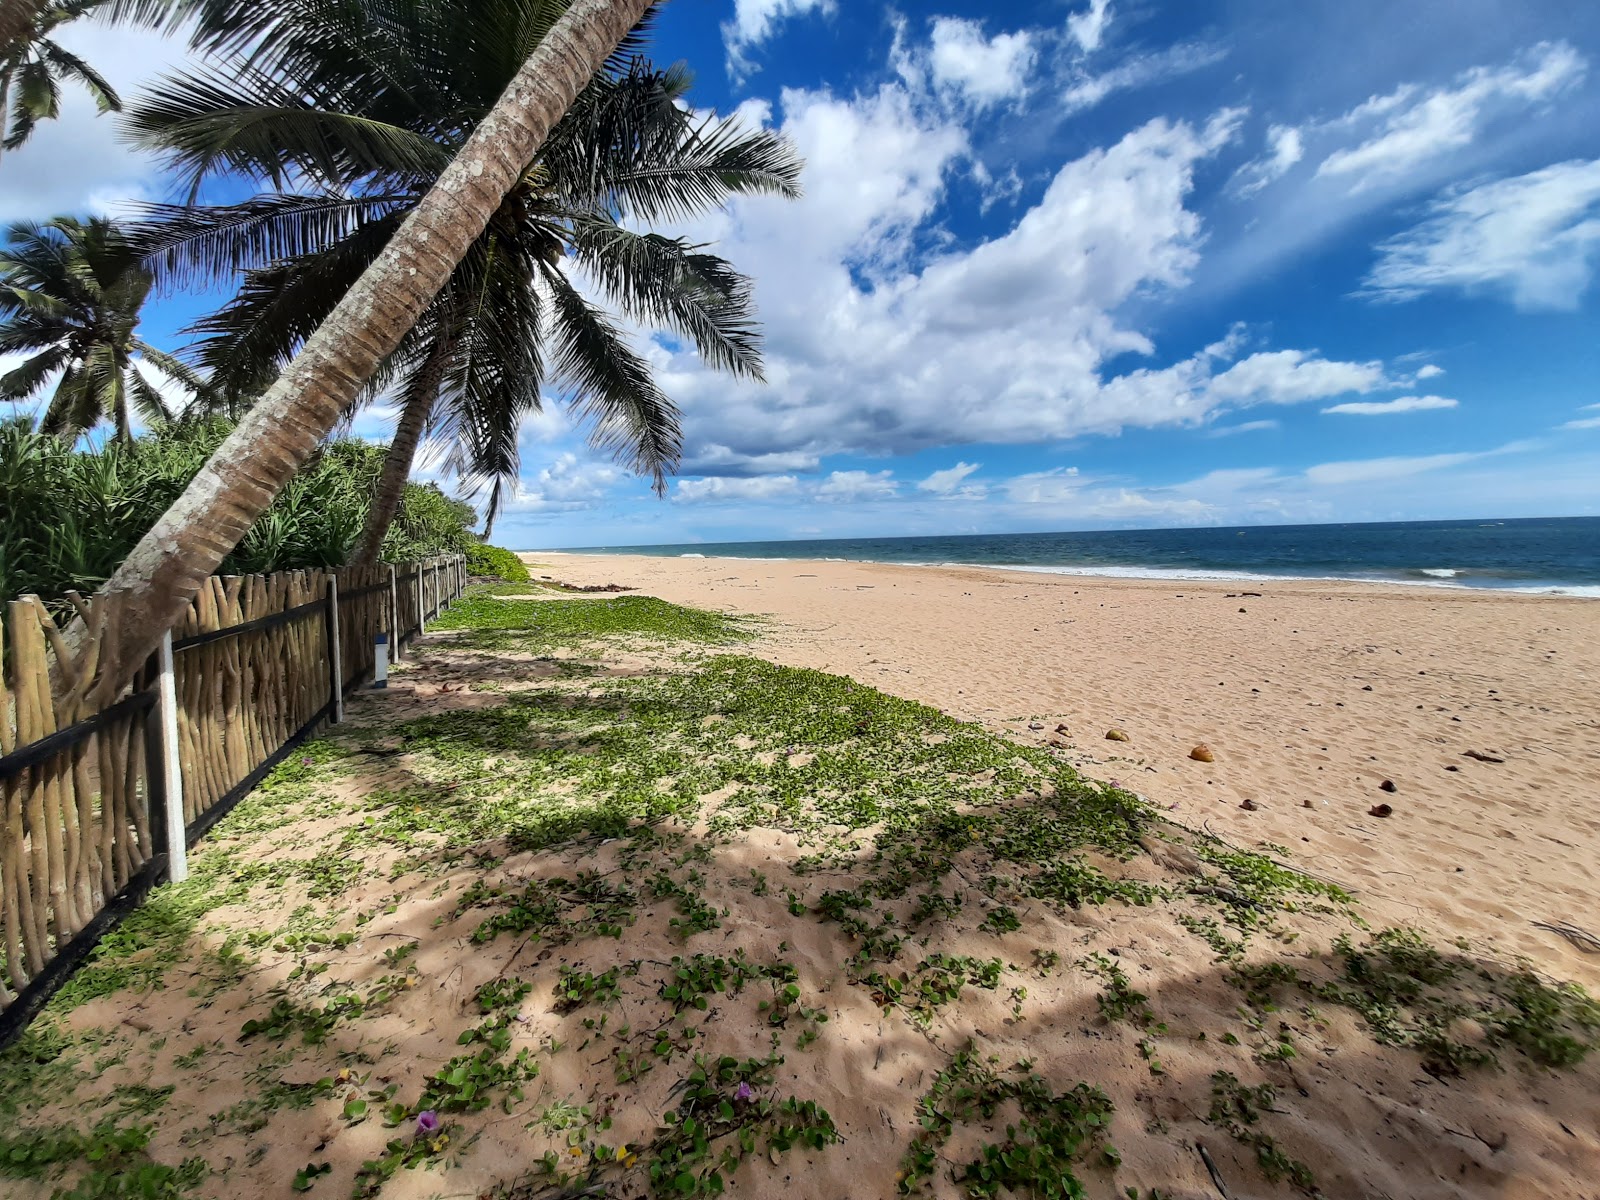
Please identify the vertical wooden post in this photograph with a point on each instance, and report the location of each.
(171, 771)
(394, 614)
(422, 615)
(335, 666)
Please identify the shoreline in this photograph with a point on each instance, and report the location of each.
(1114, 574)
(1312, 695)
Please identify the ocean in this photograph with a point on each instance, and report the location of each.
(1557, 555)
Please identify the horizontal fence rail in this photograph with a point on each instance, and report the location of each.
(99, 804)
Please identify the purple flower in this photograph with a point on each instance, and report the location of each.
(744, 1094)
(427, 1122)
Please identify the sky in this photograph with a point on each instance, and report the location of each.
(1079, 264)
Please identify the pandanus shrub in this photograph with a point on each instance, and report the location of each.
(69, 516)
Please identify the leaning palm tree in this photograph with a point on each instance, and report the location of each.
(165, 570)
(70, 295)
(33, 65)
(360, 104)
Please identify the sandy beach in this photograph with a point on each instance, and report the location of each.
(1310, 694)
(605, 896)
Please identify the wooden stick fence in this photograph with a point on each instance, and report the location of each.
(88, 807)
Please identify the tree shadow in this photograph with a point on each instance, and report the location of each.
(1178, 978)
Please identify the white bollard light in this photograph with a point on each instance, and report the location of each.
(380, 662)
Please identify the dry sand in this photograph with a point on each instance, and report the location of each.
(1309, 693)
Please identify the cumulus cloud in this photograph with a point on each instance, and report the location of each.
(848, 486)
(567, 484)
(877, 345)
(754, 21)
(1403, 404)
(947, 481)
(1088, 28)
(984, 71)
(1532, 237)
(1429, 371)
(1412, 124)
(764, 487)
(77, 163)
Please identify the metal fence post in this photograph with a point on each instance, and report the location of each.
(177, 832)
(394, 613)
(335, 664)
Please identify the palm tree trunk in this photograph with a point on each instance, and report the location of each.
(165, 570)
(5, 96)
(420, 399)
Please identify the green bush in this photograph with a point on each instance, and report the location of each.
(68, 517)
(494, 562)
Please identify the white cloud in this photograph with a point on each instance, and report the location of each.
(876, 345)
(984, 70)
(1285, 148)
(1403, 404)
(1292, 377)
(1429, 371)
(1140, 71)
(945, 482)
(1373, 489)
(1371, 469)
(850, 486)
(77, 163)
(1088, 28)
(1054, 486)
(1412, 124)
(1533, 236)
(567, 484)
(753, 23)
(713, 459)
(1582, 423)
(765, 487)
(1243, 427)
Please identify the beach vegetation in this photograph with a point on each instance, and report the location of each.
(102, 500)
(579, 852)
(495, 562)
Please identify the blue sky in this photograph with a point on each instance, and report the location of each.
(1085, 264)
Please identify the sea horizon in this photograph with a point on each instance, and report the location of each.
(1549, 555)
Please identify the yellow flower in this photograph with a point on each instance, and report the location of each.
(577, 1152)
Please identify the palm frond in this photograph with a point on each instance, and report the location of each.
(24, 380)
(186, 245)
(249, 341)
(627, 146)
(70, 66)
(38, 98)
(232, 117)
(147, 399)
(497, 369)
(612, 386)
(667, 281)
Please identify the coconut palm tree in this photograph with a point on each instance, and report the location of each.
(33, 65)
(70, 295)
(165, 570)
(358, 105)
